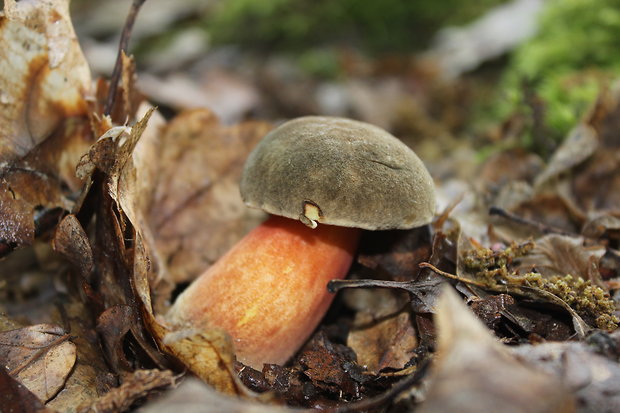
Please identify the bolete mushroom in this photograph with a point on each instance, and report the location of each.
(269, 291)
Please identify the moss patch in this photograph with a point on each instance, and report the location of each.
(493, 268)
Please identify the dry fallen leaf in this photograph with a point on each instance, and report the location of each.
(43, 128)
(208, 354)
(560, 255)
(153, 188)
(16, 398)
(330, 367)
(193, 396)
(40, 357)
(579, 145)
(593, 378)
(91, 376)
(382, 335)
(44, 75)
(195, 211)
(72, 242)
(135, 386)
(597, 186)
(473, 372)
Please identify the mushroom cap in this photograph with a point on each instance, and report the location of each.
(341, 172)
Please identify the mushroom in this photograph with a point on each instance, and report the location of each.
(337, 176)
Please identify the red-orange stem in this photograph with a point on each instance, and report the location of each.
(269, 291)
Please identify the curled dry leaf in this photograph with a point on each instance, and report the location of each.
(331, 367)
(397, 253)
(473, 372)
(192, 396)
(601, 226)
(16, 398)
(72, 242)
(43, 74)
(195, 211)
(90, 376)
(43, 130)
(178, 198)
(113, 325)
(40, 357)
(382, 335)
(580, 144)
(135, 386)
(591, 377)
(597, 187)
(208, 354)
(561, 255)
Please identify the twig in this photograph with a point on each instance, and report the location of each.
(389, 395)
(451, 276)
(336, 285)
(122, 48)
(44, 349)
(411, 286)
(544, 228)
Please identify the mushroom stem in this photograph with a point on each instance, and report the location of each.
(269, 291)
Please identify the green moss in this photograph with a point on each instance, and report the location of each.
(565, 65)
(320, 62)
(385, 26)
(493, 269)
(589, 301)
(493, 265)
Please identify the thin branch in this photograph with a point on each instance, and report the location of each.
(122, 49)
(544, 228)
(388, 396)
(336, 285)
(37, 354)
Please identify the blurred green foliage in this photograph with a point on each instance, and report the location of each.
(565, 65)
(374, 26)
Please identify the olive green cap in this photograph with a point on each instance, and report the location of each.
(338, 171)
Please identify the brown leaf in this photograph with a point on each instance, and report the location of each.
(550, 210)
(135, 386)
(47, 83)
(208, 354)
(591, 377)
(578, 146)
(325, 363)
(382, 335)
(128, 158)
(489, 309)
(113, 325)
(597, 186)
(604, 116)
(561, 255)
(396, 253)
(16, 398)
(474, 373)
(601, 226)
(43, 129)
(193, 395)
(72, 242)
(102, 154)
(91, 375)
(195, 211)
(14, 232)
(505, 167)
(39, 356)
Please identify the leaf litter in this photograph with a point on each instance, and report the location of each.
(102, 256)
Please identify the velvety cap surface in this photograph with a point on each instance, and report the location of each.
(340, 172)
